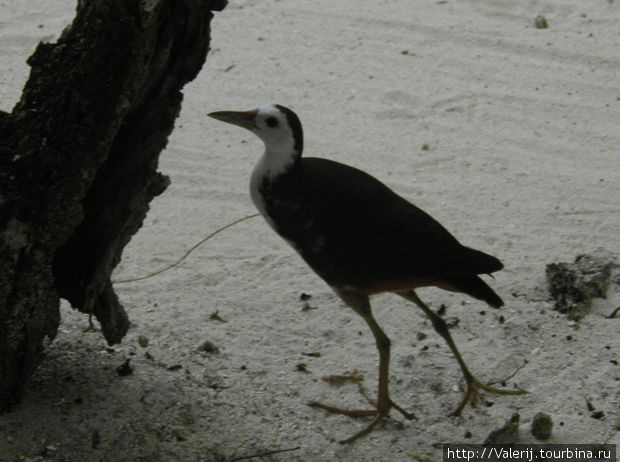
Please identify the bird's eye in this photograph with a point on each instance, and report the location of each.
(271, 122)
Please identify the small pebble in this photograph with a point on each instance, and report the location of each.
(179, 434)
(208, 347)
(124, 369)
(143, 341)
(302, 367)
(541, 22)
(508, 434)
(542, 426)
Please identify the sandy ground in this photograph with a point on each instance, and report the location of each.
(523, 161)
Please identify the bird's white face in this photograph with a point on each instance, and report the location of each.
(280, 130)
(271, 126)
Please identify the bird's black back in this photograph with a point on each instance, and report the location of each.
(355, 231)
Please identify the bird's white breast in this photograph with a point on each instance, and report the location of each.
(264, 173)
(273, 163)
(259, 175)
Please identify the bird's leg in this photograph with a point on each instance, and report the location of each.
(91, 326)
(361, 305)
(472, 393)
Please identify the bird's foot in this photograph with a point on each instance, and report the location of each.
(472, 393)
(376, 414)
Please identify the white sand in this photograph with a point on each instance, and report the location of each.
(523, 128)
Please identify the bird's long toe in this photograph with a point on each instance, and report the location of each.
(376, 414)
(472, 393)
(355, 413)
(405, 414)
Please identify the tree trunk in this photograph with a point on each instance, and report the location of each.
(78, 165)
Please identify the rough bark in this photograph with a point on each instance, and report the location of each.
(78, 165)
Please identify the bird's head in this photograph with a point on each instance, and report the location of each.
(278, 127)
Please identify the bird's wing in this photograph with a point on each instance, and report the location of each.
(366, 224)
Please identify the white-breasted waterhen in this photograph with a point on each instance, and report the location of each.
(361, 238)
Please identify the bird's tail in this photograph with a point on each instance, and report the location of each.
(479, 289)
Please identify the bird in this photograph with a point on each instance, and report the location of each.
(362, 239)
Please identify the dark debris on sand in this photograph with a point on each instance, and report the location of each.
(574, 285)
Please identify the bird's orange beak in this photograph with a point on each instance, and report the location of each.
(244, 119)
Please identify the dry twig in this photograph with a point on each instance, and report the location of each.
(186, 254)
